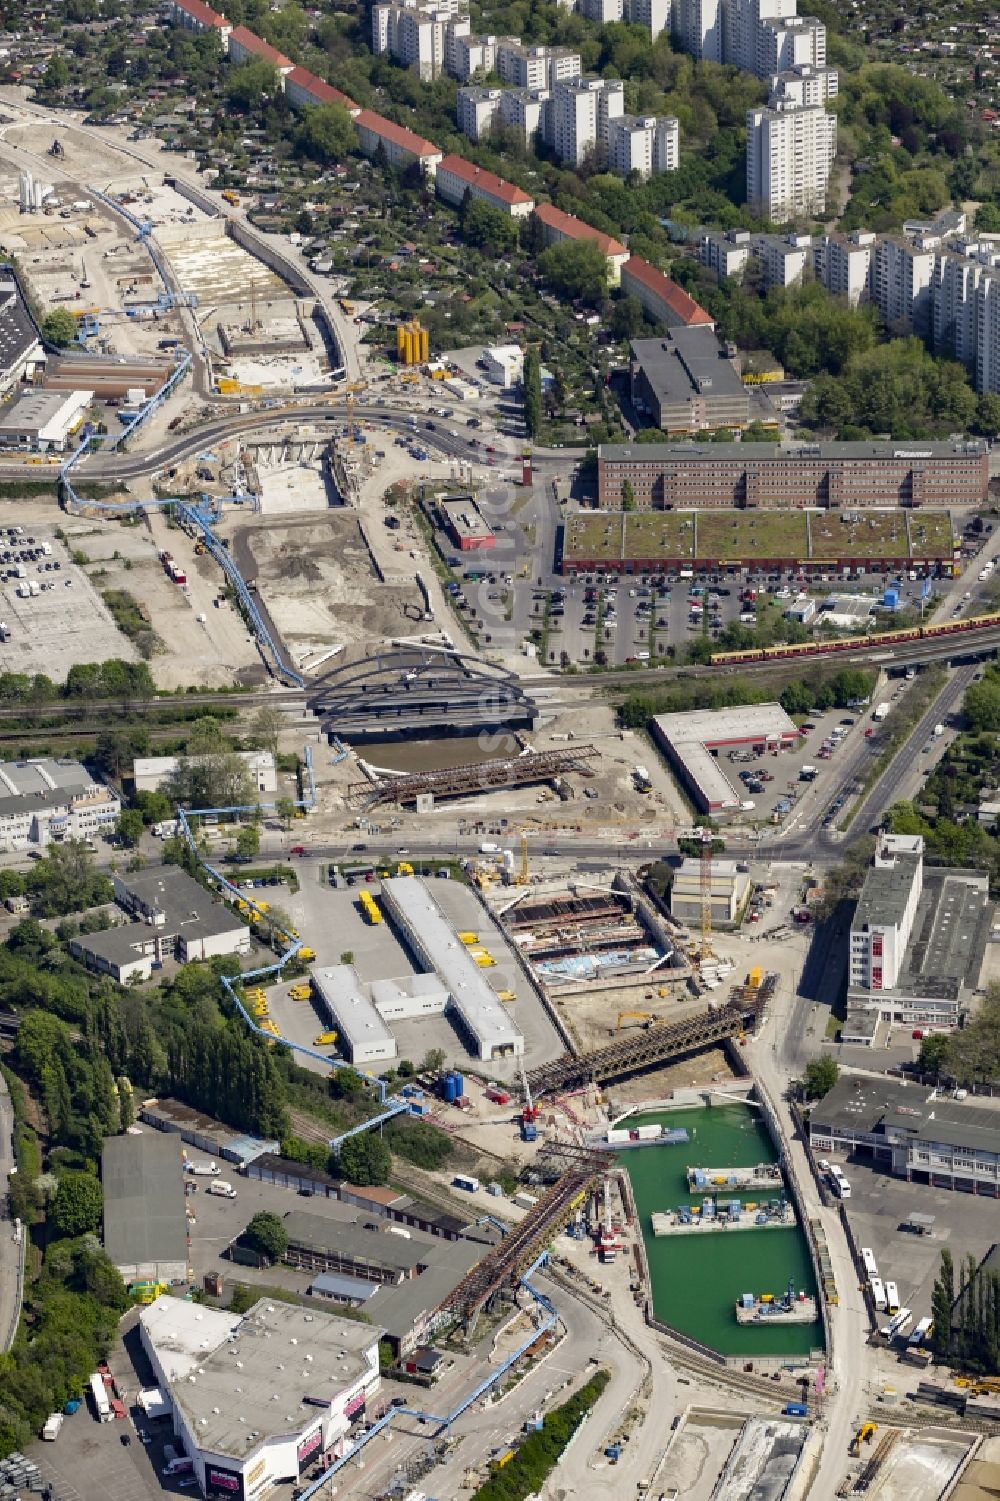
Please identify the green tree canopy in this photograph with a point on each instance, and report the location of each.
(60, 326)
(576, 269)
(77, 1206)
(247, 84)
(364, 1160)
(487, 227)
(819, 1077)
(327, 133)
(267, 1234)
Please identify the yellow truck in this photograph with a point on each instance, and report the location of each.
(300, 992)
(307, 955)
(325, 1040)
(230, 197)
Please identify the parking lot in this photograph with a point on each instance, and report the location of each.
(879, 1206)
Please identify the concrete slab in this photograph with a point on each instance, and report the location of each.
(921, 1469)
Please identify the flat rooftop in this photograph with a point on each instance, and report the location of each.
(876, 1106)
(692, 737)
(746, 452)
(41, 783)
(886, 893)
(144, 1217)
(254, 1375)
(471, 993)
(320, 1235)
(350, 1008)
(686, 360)
(464, 516)
(951, 929)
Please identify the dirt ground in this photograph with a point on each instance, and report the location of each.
(319, 586)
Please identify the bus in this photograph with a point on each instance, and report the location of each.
(878, 1295)
(898, 1324)
(921, 1333)
(868, 1259)
(892, 1297)
(839, 1183)
(99, 1394)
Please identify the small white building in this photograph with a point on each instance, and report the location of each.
(730, 887)
(150, 773)
(44, 420)
(504, 365)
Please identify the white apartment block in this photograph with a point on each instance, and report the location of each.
(988, 334)
(741, 23)
(472, 55)
(805, 84)
(581, 113)
(725, 254)
(697, 27)
(957, 279)
(901, 283)
(793, 41)
(643, 144)
(535, 67)
(843, 264)
(789, 154)
(883, 918)
(601, 11)
(477, 110)
(653, 15)
(527, 110)
(783, 258)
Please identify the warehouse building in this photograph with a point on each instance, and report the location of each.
(150, 773)
(482, 1017)
(199, 1130)
(19, 342)
(730, 889)
(917, 943)
(911, 1131)
(175, 918)
(362, 1035)
(465, 523)
(45, 802)
(221, 1370)
(145, 1227)
(692, 742)
(830, 475)
(380, 1203)
(44, 420)
(687, 382)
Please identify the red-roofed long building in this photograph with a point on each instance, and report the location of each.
(662, 298)
(456, 177)
(558, 226)
(401, 146)
(304, 89)
(245, 46)
(195, 15)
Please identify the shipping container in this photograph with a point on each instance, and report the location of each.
(468, 1185)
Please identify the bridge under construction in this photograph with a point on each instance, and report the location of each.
(500, 1269)
(483, 776)
(659, 1044)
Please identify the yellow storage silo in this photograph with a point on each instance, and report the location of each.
(422, 340)
(401, 342)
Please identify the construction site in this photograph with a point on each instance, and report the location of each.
(423, 789)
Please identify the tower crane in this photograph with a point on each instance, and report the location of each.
(529, 1113)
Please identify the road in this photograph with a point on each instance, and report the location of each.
(10, 1250)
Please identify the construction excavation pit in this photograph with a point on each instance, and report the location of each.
(588, 936)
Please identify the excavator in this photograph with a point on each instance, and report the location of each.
(645, 1017)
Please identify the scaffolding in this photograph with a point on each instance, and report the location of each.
(462, 781)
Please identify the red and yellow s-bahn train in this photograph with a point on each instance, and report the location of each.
(863, 644)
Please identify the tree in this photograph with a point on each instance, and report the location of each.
(942, 1299)
(973, 1054)
(126, 1104)
(364, 1160)
(327, 133)
(433, 1061)
(285, 809)
(56, 75)
(265, 728)
(346, 1084)
(576, 269)
(934, 1053)
(59, 326)
(248, 841)
(626, 317)
(249, 83)
(77, 1206)
(130, 827)
(486, 227)
(821, 1074)
(628, 496)
(532, 378)
(267, 1234)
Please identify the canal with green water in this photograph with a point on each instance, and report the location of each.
(696, 1279)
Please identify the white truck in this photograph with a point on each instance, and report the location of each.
(221, 1189)
(938, 731)
(879, 712)
(53, 1423)
(203, 1169)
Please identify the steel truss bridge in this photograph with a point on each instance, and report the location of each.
(460, 781)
